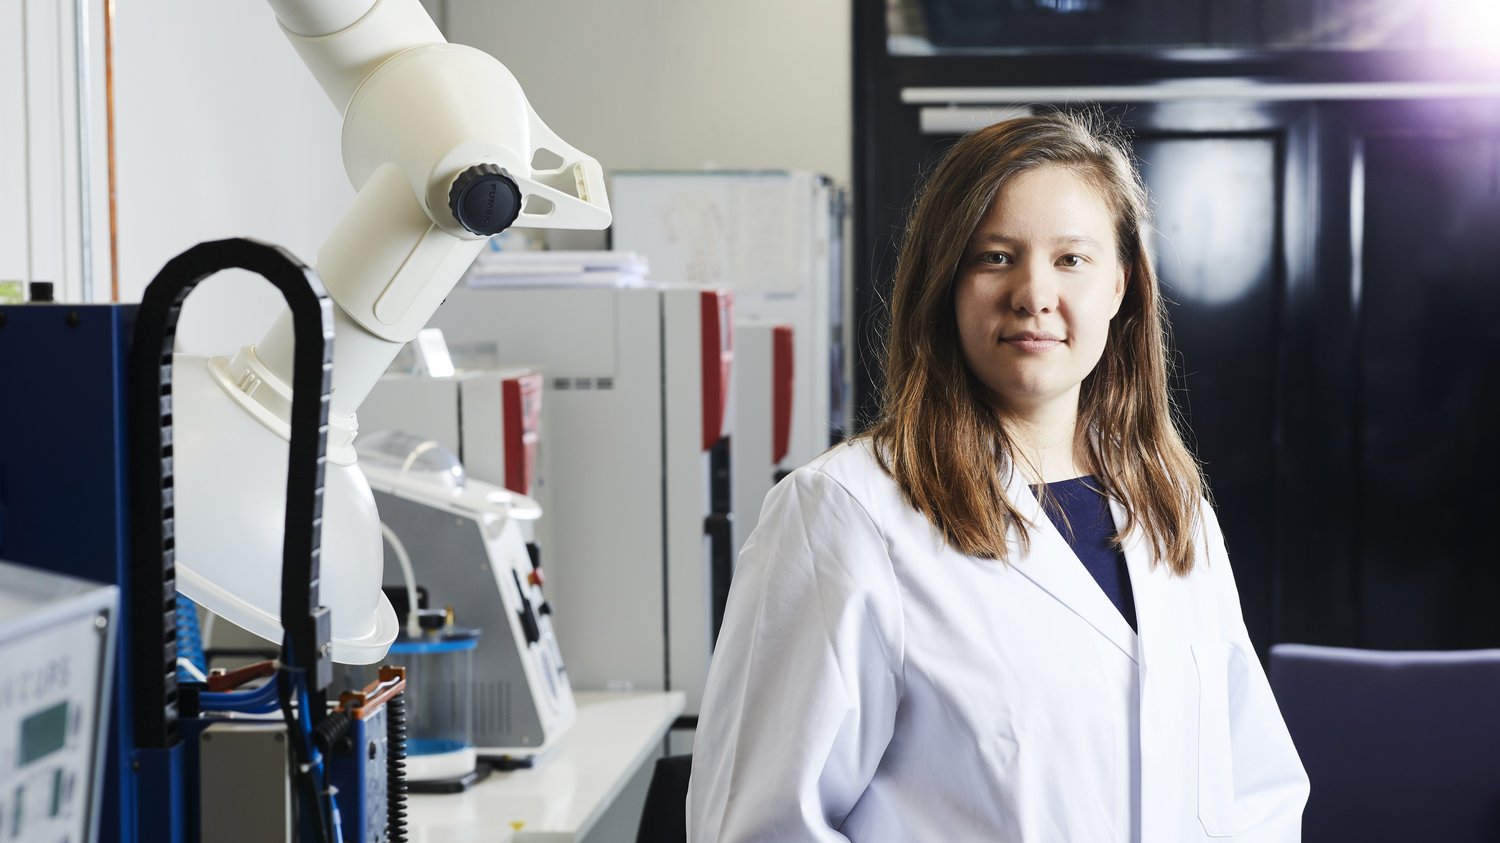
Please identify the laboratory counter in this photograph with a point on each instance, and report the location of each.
(562, 798)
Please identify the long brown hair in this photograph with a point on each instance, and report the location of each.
(942, 441)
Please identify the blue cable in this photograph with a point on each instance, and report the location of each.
(239, 697)
(259, 708)
(315, 758)
(239, 700)
(189, 640)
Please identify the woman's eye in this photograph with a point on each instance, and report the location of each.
(994, 258)
(1070, 260)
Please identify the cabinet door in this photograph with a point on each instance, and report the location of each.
(1425, 230)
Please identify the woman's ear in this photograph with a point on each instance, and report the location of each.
(1122, 281)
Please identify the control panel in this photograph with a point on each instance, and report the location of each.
(54, 637)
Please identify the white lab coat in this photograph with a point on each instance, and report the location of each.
(872, 684)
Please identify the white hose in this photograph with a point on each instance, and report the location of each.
(413, 624)
(192, 669)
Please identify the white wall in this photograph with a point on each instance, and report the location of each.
(222, 132)
(43, 212)
(679, 83)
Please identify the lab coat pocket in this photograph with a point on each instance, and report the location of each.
(1216, 802)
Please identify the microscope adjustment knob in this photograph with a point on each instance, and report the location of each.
(484, 200)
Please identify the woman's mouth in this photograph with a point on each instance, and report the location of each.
(1032, 342)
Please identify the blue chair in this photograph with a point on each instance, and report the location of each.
(1399, 746)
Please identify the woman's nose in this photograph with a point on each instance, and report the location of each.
(1035, 290)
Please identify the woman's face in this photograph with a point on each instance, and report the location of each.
(1036, 290)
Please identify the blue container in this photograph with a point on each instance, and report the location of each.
(440, 701)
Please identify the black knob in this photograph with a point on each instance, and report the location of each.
(484, 200)
(41, 292)
(529, 627)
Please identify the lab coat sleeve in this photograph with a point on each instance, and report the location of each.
(1270, 784)
(802, 693)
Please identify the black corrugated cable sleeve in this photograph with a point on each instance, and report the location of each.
(328, 735)
(395, 765)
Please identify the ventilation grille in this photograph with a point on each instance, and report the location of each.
(582, 384)
(492, 711)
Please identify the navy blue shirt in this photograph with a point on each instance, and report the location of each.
(1089, 527)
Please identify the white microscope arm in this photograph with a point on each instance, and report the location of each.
(443, 148)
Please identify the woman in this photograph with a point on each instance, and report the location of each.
(1005, 612)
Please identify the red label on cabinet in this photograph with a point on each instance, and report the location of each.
(521, 407)
(718, 357)
(782, 374)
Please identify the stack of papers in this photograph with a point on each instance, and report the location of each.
(558, 269)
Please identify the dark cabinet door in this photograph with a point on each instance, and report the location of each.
(1426, 234)
(1335, 285)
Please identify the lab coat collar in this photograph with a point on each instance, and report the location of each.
(1148, 581)
(1053, 566)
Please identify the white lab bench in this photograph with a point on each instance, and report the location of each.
(562, 797)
